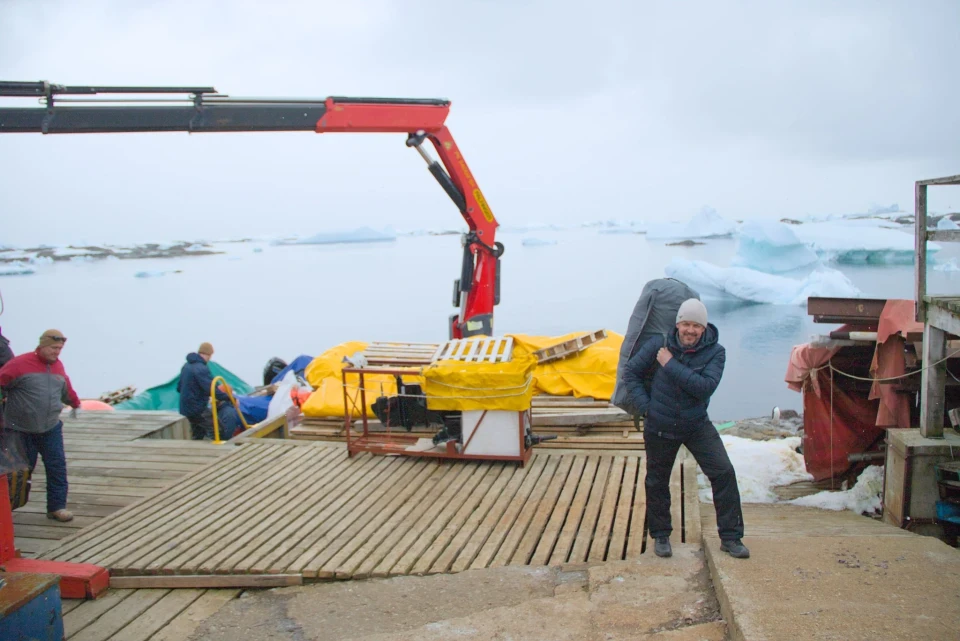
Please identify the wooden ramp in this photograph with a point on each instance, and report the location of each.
(275, 513)
(113, 459)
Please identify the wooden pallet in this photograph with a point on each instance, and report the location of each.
(396, 354)
(569, 347)
(306, 509)
(476, 350)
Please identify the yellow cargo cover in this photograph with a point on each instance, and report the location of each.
(324, 373)
(456, 385)
(590, 373)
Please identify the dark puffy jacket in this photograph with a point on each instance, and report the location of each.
(6, 353)
(194, 386)
(680, 392)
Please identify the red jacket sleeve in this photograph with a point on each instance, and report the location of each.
(72, 399)
(10, 371)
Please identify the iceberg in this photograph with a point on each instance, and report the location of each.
(741, 283)
(946, 223)
(537, 242)
(772, 247)
(16, 268)
(949, 266)
(706, 224)
(361, 235)
(859, 242)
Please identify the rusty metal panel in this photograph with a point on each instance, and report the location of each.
(862, 311)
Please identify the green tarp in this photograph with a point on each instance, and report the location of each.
(166, 396)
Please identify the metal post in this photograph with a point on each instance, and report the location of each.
(920, 234)
(933, 381)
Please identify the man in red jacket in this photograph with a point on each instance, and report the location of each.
(36, 386)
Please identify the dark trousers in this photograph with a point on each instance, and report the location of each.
(49, 445)
(707, 448)
(201, 425)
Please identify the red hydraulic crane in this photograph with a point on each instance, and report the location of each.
(205, 110)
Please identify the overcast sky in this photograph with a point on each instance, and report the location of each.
(566, 112)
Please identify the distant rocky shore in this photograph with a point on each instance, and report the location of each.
(100, 252)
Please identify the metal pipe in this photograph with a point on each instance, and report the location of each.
(865, 456)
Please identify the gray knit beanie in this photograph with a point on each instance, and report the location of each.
(694, 311)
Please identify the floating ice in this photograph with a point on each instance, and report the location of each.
(946, 223)
(706, 224)
(863, 497)
(361, 235)
(949, 266)
(761, 466)
(537, 242)
(15, 268)
(860, 242)
(155, 274)
(772, 247)
(752, 286)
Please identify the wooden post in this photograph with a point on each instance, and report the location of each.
(920, 240)
(933, 381)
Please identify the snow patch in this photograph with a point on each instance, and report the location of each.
(863, 497)
(761, 466)
(750, 285)
(772, 247)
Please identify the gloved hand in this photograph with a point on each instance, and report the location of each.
(74, 412)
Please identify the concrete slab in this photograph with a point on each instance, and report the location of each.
(865, 580)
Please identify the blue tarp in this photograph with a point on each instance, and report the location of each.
(299, 365)
(254, 408)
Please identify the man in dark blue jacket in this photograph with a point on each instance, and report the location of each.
(194, 388)
(686, 367)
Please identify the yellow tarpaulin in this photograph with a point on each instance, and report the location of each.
(453, 385)
(456, 385)
(592, 372)
(324, 373)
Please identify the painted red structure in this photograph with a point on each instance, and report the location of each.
(77, 580)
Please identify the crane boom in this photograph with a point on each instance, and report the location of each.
(67, 109)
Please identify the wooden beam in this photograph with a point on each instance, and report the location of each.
(946, 180)
(207, 581)
(933, 378)
(944, 235)
(920, 243)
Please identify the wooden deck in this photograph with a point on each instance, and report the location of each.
(113, 460)
(277, 512)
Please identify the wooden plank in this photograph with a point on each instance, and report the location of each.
(102, 534)
(197, 529)
(414, 529)
(374, 473)
(469, 530)
(691, 503)
(608, 510)
(563, 547)
(588, 523)
(449, 531)
(517, 531)
(139, 519)
(69, 605)
(290, 541)
(251, 511)
(618, 538)
(551, 532)
(115, 619)
(86, 612)
(185, 624)
(158, 615)
(206, 581)
(437, 524)
(374, 551)
(356, 516)
(495, 539)
(280, 510)
(638, 524)
(346, 561)
(538, 520)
